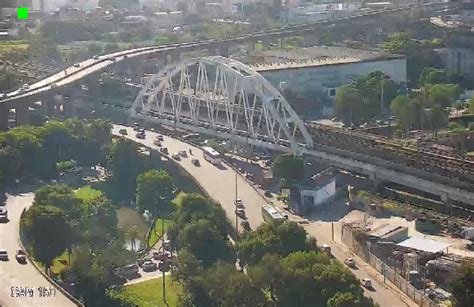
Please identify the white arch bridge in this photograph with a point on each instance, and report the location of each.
(225, 98)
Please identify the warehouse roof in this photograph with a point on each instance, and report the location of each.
(424, 244)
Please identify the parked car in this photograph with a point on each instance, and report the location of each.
(20, 256)
(366, 282)
(3, 255)
(149, 266)
(3, 215)
(326, 248)
(195, 162)
(350, 262)
(123, 131)
(77, 65)
(176, 156)
(268, 194)
(240, 212)
(95, 57)
(183, 153)
(141, 261)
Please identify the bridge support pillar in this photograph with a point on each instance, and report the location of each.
(4, 110)
(212, 51)
(22, 112)
(224, 50)
(174, 56)
(250, 46)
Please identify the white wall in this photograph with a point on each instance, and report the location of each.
(322, 194)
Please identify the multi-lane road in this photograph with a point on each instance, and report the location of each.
(23, 276)
(219, 183)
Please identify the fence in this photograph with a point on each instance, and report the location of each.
(388, 273)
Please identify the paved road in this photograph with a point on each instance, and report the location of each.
(219, 183)
(382, 294)
(13, 274)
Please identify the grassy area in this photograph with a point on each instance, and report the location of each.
(157, 232)
(58, 265)
(149, 293)
(12, 46)
(87, 193)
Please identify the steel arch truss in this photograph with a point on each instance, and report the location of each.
(223, 96)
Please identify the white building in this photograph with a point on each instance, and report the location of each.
(323, 69)
(317, 192)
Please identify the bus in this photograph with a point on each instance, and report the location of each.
(270, 213)
(211, 155)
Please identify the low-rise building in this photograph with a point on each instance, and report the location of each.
(316, 192)
(317, 72)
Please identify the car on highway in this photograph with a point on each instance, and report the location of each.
(149, 266)
(3, 95)
(123, 131)
(95, 57)
(195, 162)
(176, 156)
(326, 249)
(350, 262)
(25, 87)
(366, 283)
(159, 137)
(3, 255)
(240, 213)
(140, 135)
(3, 215)
(183, 153)
(157, 143)
(164, 150)
(77, 65)
(20, 256)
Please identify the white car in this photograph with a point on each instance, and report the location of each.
(176, 156)
(77, 65)
(183, 153)
(350, 262)
(95, 57)
(3, 214)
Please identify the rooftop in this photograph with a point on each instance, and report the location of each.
(424, 244)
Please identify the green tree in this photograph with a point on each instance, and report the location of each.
(463, 285)
(274, 238)
(443, 95)
(154, 191)
(399, 43)
(471, 105)
(431, 75)
(403, 107)
(201, 237)
(57, 195)
(345, 299)
(126, 164)
(48, 232)
(438, 118)
(94, 48)
(349, 104)
(289, 167)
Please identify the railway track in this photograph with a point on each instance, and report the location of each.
(443, 161)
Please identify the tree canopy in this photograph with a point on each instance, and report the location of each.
(463, 285)
(289, 167)
(154, 191)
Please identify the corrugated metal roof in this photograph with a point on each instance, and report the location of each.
(424, 244)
